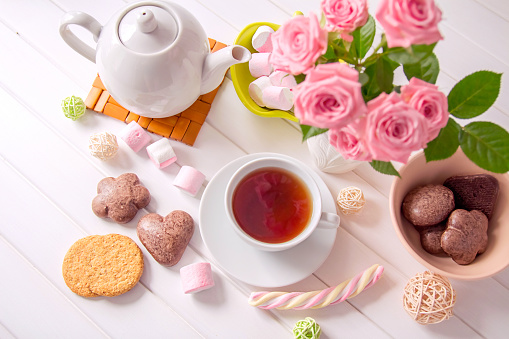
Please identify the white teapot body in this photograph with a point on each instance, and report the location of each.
(153, 57)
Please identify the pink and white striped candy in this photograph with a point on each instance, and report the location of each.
(317, 299)
(259, 65)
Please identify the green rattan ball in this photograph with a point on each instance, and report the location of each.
(307, 329)
(73, 107)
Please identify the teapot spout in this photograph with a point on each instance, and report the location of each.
(216, 64)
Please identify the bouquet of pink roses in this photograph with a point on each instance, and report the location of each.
(350, 94)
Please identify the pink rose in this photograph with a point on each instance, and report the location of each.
(409, 22)
(429, 101)
(349, 141)
(330, 97)
(345, 15)
(394, 129)
(297, 44)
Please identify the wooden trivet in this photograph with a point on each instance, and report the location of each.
(183, 127)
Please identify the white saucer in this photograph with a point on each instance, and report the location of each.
(250, 265)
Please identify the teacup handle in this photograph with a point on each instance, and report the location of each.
(86, 21)
(328, 220)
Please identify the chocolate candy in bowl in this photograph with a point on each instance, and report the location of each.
(428, 205)
(417, 173)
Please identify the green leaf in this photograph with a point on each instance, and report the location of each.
(410, 55)
(329, 54)
(300, 78)
(384, 75)
(474, 94)
(311, 131)
(341, 51)
(363, 78)
(487, 145)
(426, 70)
(363, 38)
(445, 144)
(370, 89)
(385, 167)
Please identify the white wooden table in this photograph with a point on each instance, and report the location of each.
(48, 180)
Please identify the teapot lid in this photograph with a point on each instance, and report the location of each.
(147, 29)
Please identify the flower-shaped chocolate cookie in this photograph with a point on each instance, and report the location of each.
(120, 198)
(466, 235)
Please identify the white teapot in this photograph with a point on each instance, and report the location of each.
(153, 57)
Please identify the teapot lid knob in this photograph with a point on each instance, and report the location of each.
(146, 21)
(147, 29)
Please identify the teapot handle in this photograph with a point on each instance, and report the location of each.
(86, 21)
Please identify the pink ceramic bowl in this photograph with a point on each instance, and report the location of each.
(417, 172)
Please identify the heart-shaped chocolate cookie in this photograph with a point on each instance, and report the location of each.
(166, 238)
(465, 236)
(474, 192)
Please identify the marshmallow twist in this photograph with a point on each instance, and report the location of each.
(317, 299)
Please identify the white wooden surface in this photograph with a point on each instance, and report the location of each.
(48, 180)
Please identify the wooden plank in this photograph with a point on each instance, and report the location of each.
(101, 102)
(60, 317)
(159, 128)
(92, 97)
(115, 111)
(180, 129)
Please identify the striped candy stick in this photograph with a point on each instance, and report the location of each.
(317, 299)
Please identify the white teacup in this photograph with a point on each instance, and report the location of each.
(295, 170)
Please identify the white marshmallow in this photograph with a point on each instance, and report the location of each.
(261, 40)
(161, 153)
(278, 98)
(196, 277)
(256, 89)
(282, 79)
(189, 180)
(259, 64)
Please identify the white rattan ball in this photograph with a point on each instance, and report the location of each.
(103, 145)
(429, 298)
(350, 200)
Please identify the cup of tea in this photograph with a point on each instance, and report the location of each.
(274, 204)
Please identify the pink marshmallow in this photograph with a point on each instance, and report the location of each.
(161, 153)
(259, 64)
(261, 40)
(189, 180)
(278, 98)
(256, 89)
(282, 79)
(196, 277)
(276, 76)
(135, 136)
(289, 81)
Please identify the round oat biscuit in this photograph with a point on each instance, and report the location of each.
(103, 265)
(75, 270)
